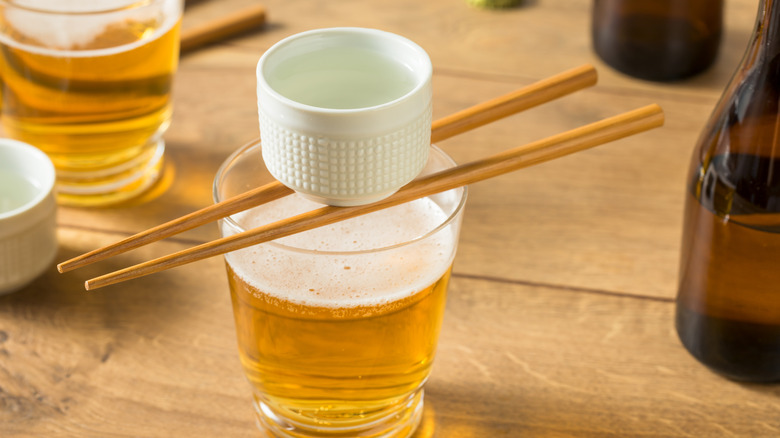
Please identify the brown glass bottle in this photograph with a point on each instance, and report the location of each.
(659, 40)
(728, 303)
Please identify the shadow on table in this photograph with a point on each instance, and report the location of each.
(144, 306)
(765, 389)
(55, 338)
(465, 412)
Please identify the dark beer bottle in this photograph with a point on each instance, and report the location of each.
(659, 40)
(728, 303)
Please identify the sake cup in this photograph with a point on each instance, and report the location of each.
(345, 113)
(28, 240)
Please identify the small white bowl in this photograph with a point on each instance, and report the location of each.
(28, 210)
(345, 113)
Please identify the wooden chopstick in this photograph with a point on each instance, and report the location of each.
(222, 27)
(565, 143)
(527, 97)
(462, 121)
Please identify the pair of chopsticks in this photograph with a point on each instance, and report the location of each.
(565, 143)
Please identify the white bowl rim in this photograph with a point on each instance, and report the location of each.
(45, 179)
(422, 77)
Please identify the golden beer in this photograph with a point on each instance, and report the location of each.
(96, 101)
(344, 367)
(337, 326)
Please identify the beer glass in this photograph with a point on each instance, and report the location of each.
(89, 82)
(337, 326)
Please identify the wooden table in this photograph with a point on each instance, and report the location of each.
(559, 319)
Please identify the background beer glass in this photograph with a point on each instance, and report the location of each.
(337, 327)
(89, 82)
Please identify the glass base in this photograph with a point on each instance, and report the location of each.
(112, 185)
(398, 421)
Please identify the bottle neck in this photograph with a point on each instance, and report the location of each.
(767, 32)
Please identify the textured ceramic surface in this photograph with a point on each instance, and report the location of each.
(337, 154)
(28, 240)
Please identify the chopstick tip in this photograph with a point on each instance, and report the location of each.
(588, 72)
(68, 265)
(658, 112)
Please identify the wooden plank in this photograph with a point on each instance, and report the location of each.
(559, 321)
(156, 357)
(534, 361)
(530, 41)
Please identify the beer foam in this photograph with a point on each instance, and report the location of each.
(62, 35)
(77, 6)
(350, 275)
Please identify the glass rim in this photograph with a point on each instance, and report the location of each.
(256, 144)
(129, 6)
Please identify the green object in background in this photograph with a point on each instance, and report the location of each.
(494, 4)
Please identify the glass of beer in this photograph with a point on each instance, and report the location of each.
(89, 83)
(337, 326)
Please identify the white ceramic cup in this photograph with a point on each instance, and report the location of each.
(345, 113)
(28, 239)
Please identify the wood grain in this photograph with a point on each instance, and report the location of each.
(158, 358)
(559, 318)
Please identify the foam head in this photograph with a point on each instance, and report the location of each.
(365, 261)
(73, 25)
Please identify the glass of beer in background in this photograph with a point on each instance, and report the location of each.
(89, 83)
(337, 326)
